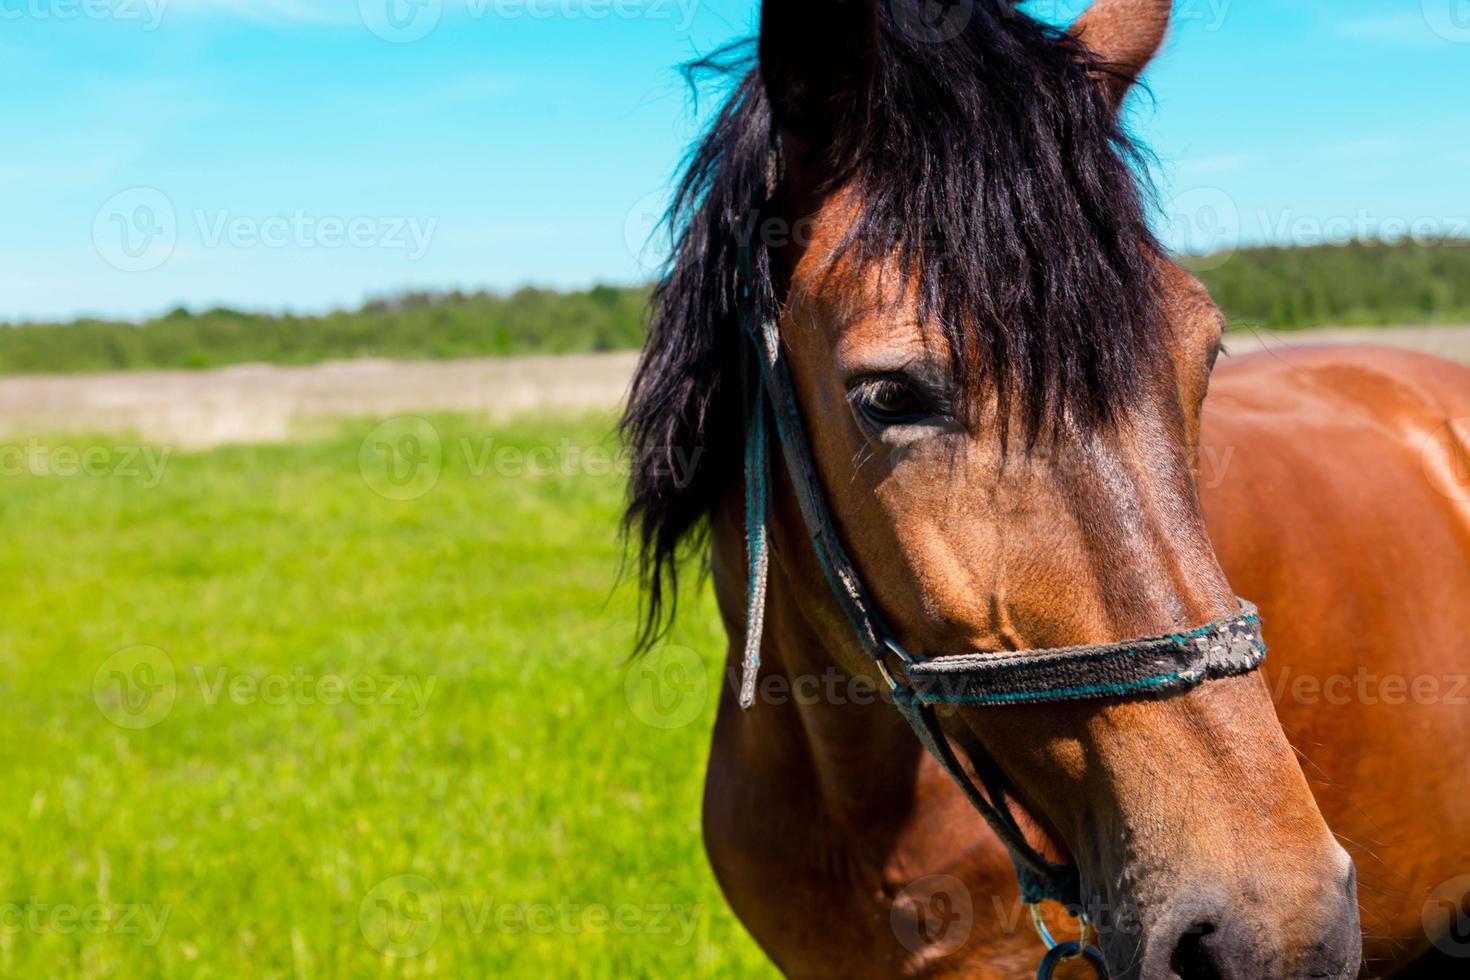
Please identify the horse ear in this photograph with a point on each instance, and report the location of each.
(818, 59)
(1124, 35)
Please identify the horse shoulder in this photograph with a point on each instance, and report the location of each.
(1336, 486)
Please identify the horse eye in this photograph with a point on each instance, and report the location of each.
(890, 401)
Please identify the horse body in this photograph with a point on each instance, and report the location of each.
(838, 841)
(1346, 510)
(939, 240)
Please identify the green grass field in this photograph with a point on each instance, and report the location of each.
(345, 707)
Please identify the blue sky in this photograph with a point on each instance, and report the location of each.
(306, 154)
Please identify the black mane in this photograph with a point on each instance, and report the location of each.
(994, 170)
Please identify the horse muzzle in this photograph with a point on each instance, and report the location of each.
(1203, 935)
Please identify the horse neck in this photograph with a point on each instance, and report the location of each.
(813, 721)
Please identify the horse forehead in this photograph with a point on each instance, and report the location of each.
(858, 305)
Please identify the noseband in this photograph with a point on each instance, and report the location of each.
(1148, 666)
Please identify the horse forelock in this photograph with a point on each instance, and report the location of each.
(994, 175)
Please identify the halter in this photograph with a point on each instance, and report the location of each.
(1157, 665)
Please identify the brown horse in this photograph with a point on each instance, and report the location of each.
(1004, 383)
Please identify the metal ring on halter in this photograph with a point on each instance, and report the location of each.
(898, 651)
(887, 676)
(1084, 924)
(1058, 955)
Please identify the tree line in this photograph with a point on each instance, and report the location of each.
(1358, 284)
(1362, 283)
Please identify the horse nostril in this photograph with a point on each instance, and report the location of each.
(1202, 937)
(1194, 956)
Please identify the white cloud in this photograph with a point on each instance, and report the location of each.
(1209, 166)
(273, 11)
(1368, 147)
(1403, 28)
